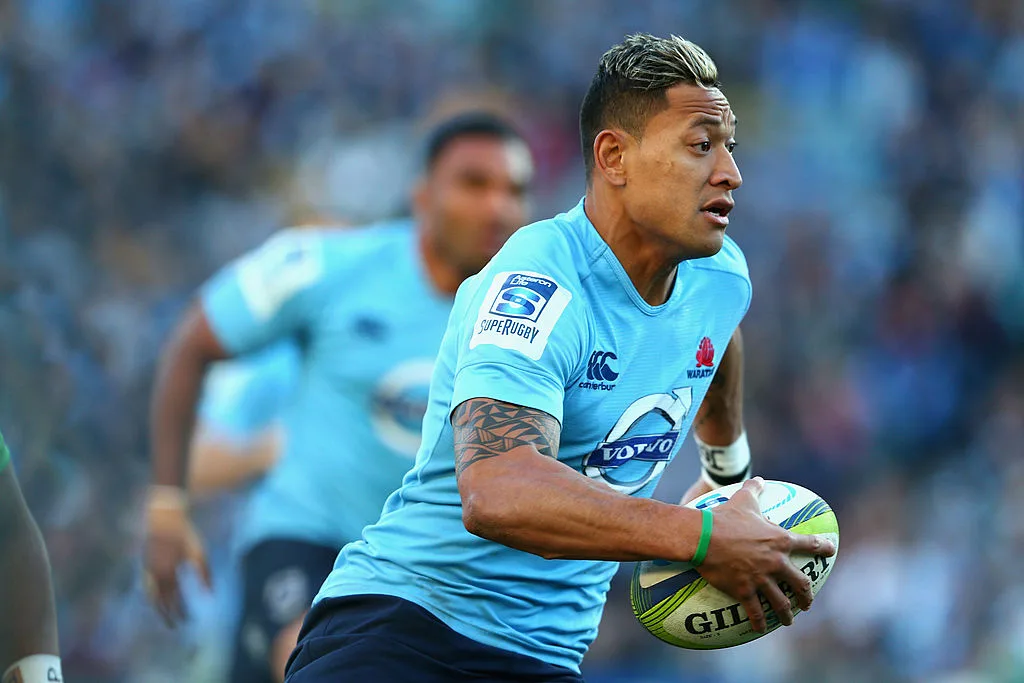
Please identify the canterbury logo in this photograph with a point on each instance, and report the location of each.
(705, 354)
(598, 369)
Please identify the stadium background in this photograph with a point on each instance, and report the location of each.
(882, 144)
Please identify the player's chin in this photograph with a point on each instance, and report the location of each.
(709, 243)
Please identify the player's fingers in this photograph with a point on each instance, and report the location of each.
(168, 598)
(750, 492)
(196, 555)
(797, 581)
(778, 600)
(203, 569)
(176, 606)
(812, 544)
(164, 602)
(752, 604)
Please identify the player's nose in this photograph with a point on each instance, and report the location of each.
(726, 172)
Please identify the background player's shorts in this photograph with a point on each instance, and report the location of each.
(279, 581)
(373, 638)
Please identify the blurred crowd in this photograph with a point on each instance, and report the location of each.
(143, 144)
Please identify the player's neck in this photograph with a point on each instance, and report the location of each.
(444, 279)
(650, 266)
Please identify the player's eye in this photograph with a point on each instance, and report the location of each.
(731, 147)
(704, 146)
(475, 181)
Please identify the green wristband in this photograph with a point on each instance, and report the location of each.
(706, 522)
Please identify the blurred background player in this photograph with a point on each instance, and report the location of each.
(367, 309)
(28, 626)
(238, 437)
(571, 371)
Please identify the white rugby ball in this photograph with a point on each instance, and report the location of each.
(677, 605)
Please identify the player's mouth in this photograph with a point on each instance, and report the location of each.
(717, 211)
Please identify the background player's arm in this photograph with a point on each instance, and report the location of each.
(183, 365)
(220, 464)
(267, 295)
(514, 491)
(28, 625)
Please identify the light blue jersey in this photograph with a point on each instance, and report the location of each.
(553, 323)
(244, 396)
(368, 323)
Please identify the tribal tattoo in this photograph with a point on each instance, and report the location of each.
(485, 428)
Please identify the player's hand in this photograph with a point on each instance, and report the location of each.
(696, 490)
(170, 540)
(749, 555)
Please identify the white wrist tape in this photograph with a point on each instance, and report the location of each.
(167, 497)
(724, 465)
(35, 669)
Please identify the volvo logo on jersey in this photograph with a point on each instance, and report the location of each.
(641, 443)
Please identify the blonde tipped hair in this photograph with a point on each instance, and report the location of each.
(630, 84)
(652, 63)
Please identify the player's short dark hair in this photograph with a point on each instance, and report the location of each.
(630, 83)
(462, 125)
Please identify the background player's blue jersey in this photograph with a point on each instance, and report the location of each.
(368, 323)
(243, 396)
(553, 323)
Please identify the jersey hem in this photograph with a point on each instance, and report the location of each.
(451, 621)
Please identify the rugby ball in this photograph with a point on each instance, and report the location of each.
(677, 605)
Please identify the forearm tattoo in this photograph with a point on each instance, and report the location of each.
(485, 428)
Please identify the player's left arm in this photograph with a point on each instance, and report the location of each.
(718, 428)
(28, 627)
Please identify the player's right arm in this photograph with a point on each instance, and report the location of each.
(28, 628)
(269, 294)
(508, 397)
(514, 491)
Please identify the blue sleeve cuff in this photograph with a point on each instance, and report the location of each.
(227, 312)
(509, 384)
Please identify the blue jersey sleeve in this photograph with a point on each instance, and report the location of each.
(522, 331)
(274, 292)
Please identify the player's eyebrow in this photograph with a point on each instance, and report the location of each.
(712, 121)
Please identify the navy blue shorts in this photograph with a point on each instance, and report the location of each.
(378, 639)
(280, 578)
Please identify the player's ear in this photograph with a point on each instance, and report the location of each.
(420, 196)
(609, 156)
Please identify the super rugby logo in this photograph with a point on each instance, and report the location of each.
(523, 296)
(628, 463)
(518, 312)
(506, 327)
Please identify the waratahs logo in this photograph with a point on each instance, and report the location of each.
(705, 360)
